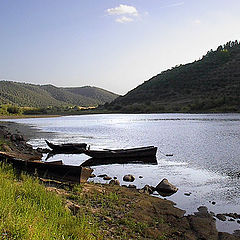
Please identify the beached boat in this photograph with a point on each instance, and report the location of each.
(123, 160)
(149, 151)
(50, 170)
(67, 147)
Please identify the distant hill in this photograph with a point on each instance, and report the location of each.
(211, 84)
(99, 94)
(30, 95)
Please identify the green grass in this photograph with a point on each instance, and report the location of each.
(29, 211)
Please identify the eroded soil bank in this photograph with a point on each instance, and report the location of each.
(119, 212)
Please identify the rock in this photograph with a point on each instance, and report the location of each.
(238, 221)
(102, 175)
(17, 137)
(107, 178)
(236, 233)
(203, 209)
(212, 213)
(221, 217)
(92, 175)
(187, 194)
(13, 137)
(43, 150)
(203, 227)
(140, 176)
(231, 220)
(132, 186)
(114, 182)
(233, 215)
(166, 187)
(114, 177)
(213, 203)
(128, 178)
(203, 212)
(147, 189)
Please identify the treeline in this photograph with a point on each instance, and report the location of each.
(211, 84)
(8, 110)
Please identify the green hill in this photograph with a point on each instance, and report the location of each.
(99, 94)
(30, 95)
(211, 84)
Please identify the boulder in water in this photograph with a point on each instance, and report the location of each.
(128, 178)
(166, 187)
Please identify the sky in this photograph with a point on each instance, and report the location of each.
(112, 44)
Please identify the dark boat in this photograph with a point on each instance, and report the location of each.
(67, 147)
(149, 151)
(51, 170)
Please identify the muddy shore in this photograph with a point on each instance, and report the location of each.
(158, 218)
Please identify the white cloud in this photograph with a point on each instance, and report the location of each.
(123, 10)
(197, 21)
(124, 19)
(174, 5)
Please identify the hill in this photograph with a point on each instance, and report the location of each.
(30, 95)
(99, 94)
(211, 84)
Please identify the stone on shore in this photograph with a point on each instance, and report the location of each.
(166, 187)
(107, 178)
(128, 178)
(203, 212)
(147, 189)
(102, 175)
(114, 182)
(221, 217)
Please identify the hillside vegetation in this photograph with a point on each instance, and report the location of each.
(42, 96)
(211, 84)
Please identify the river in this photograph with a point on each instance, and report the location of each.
(205, 148)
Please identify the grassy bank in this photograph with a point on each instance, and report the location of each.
(28, 211)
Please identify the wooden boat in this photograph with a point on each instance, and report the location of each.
(67, 147)
(106, 161)
(51, 170)
(149, 151)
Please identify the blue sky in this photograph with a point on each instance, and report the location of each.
(112, 44)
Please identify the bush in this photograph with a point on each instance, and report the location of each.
(13, 109)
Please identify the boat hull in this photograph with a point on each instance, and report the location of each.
(55, 170)
(67, 148)
(123, 153)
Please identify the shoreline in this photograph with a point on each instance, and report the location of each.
(198, 224)
(5, 117)
(28, 116)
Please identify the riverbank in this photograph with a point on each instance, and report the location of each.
(124, 213)
(26, 116)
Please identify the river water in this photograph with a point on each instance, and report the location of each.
(205, 148)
